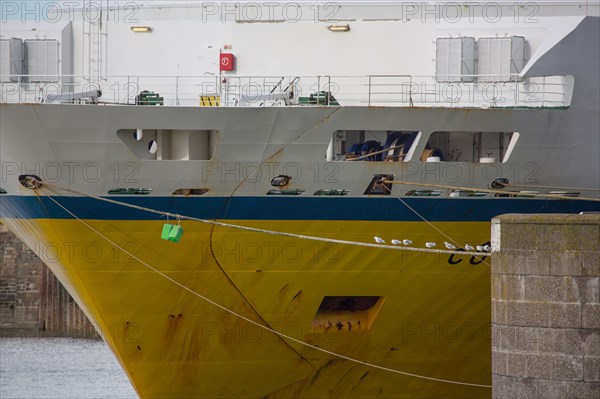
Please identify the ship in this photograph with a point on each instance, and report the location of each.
(293, 200)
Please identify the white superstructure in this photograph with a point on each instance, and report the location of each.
(465, 54)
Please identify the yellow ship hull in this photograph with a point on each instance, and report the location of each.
(151, 300)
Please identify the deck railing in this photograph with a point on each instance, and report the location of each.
(473, 91)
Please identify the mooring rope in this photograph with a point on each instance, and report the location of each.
(552, 187)
(265, 231)
(435, 227)
(485, 190)
(282, 335)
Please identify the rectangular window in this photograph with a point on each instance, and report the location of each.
(170, 144)
(372, 145)
(470, 147)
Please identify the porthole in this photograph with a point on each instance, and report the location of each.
(332, 192)
(138, 134)
(297, 191)
(499, 183)
(152, 147)
(280, 181)
(30, 181)
(190, 191)
(130, 191)
(424, 193)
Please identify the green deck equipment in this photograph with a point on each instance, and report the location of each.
(149, 98)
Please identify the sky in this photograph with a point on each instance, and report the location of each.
(35, 9)
(11, 10)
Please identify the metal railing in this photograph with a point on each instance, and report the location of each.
(471, 91)
(475, 91)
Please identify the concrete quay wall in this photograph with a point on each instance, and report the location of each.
(546, 306)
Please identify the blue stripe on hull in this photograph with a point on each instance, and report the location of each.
(291, 208)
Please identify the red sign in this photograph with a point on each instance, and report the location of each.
(227, 62)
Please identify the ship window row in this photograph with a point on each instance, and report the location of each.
(413, 146)
(145, 191)
(344, 145)
(187, 192)
(379, 185)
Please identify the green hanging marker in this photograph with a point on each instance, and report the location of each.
(166, 231)
(176, 233)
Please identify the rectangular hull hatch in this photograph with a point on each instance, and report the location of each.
(346, 314)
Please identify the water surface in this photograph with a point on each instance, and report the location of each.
(60, 368)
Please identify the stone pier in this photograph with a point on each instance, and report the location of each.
(32, 300)
(546, 306)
